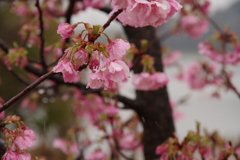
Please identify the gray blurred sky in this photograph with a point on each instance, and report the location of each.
(221, 4)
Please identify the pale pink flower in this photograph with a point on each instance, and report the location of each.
(172, 58)
(231, 57)
(193, 74)
(95, 81)
(194, 26)
(237, 151)
(206, 152)
(128, 142)
(81, 57)
(161, 149)
(24, 139)
(110, 110)
(198, 76)
(67, 147)
(96, 155)
(65, 30)
(117, 48)
(146, 81)
(86, 107)
(10, 155)
(60, 144)
(121, 3)
(67, 69)
(95, 3)
(110, 73)
(57, 53)
(118, 70)
(142, 13)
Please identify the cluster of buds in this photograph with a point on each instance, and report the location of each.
(209, 146)
(191, 20)
(105, 61)
(200, 74)
(18, 139)
(222, 55)
(16, 57)
(149, 79)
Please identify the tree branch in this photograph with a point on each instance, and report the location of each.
(25, 91)
(41, 26)
(114, 15)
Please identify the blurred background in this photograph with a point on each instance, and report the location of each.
(55, 115)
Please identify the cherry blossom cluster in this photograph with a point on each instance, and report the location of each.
(171, 58)
(149, 79)
(68, 147)
(18, 139)
(140, 13)
(191, 20)
(92, 108)
(15, 57)
(105, 61)
(209, 146)
(200, 74)
(99, 112)
(222, 56)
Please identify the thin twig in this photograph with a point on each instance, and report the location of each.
(116, 142)
(114, 15)
(26, 90)
(210, 20)
(230, 84)
(41, 26)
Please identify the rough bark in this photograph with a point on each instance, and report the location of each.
(154, 110)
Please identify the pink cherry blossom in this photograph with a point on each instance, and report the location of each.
(198, 76)
(231, 57)
(24, 139)
(95, 81)
(86, 107)
(117, 48)
(171, 58)
(205, 152)
(118, 70)
(161, 149)
(67, 147)
(194, 26)
(96, 155)
(65, 30)
(128, 142)
(140, 13)
(146, 81)
(95, 3)
(67, 69)
(10, 155)
(121, 4)
(109, 74)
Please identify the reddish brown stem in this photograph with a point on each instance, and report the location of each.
(114, 15)
(230, 84)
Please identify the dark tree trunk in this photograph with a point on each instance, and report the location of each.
(154, 110)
